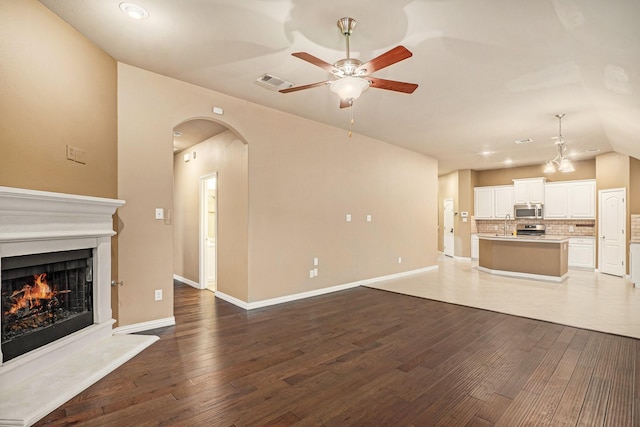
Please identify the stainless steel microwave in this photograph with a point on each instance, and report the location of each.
(528, 211)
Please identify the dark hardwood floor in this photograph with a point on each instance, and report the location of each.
(364, 357)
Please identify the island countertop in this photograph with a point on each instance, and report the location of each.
(545, 238)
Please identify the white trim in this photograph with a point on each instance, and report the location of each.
(145, 326)
(186, 281)
(317, 292)
(531, 276)
(462, 258)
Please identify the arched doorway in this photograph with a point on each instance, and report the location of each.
(210, 160)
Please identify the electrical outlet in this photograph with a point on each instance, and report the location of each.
(311, 275)
(399, 260)
(348, 217)
(158, 295)
(368, 218)
(71, 153)
(315, 272)
(315, 261)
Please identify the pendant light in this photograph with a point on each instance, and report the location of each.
(560, 162)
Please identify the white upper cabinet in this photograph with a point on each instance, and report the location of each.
(582, 199)
(493, 202)
(570, 200)
(556, 202)
(530, 190)
(483, 202)
(503, 201)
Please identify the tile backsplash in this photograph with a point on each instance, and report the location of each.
(635, 227)
(585, 227)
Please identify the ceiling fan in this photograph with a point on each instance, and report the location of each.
(351, 76)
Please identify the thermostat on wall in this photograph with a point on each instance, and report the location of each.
(464, 214)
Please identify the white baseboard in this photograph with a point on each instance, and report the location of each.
(145, 326)
(187, 281)
(317, 292)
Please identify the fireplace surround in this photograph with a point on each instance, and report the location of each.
(42, 234)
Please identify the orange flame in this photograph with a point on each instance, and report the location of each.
(31, 295)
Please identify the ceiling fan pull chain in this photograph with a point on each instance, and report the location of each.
(350, 117)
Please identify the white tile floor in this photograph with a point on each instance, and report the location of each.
(586, 299)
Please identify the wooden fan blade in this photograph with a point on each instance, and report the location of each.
(316, 61)
(390, 57)
(392, 85)
(297, 88)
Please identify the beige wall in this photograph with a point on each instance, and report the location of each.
(466, 179)
(56, 88)
(227, 155)
(634, 186)
(584, 169)
(304, 177)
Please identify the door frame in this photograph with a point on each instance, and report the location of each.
(203, 230)
(624, 224)
(444, 228)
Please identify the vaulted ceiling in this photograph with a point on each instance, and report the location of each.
(489, 73)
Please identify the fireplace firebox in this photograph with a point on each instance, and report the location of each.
(44, 297)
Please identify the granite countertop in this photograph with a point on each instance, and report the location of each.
(547, 238)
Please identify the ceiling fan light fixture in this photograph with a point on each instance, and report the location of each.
(349, 88)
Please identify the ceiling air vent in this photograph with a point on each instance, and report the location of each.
(273, 82)
(524, 141)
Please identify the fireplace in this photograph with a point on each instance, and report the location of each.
(44, 298)
(55, 300)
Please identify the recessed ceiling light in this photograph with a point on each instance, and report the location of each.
(593, 150)
(524, 141)
(134, 11)
(486, 153)
(508, 162)
(177, 133)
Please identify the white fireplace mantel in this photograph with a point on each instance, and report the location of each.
(34, 222)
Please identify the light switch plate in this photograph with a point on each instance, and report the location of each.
(159, 213)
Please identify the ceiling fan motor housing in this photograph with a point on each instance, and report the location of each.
(348, 67)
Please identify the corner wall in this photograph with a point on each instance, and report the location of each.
(304, 177)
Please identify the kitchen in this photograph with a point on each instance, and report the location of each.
(567, 214)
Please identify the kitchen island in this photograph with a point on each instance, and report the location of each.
(532, 257)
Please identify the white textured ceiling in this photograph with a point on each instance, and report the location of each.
(490, 72)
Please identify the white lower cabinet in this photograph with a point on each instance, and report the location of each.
(634, 267)
(475, 246)
(582, 252)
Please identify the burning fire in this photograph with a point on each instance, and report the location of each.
(30, 297)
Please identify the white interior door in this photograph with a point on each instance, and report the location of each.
(448, 227)
(208, 231)
(612, 227)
